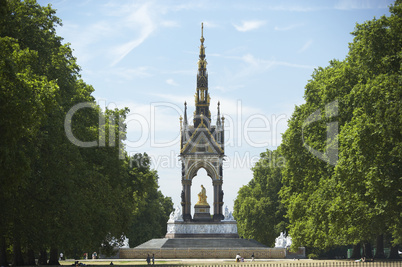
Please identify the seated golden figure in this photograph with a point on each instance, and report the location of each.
(202, 197)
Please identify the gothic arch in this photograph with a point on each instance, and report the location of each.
(210, 169)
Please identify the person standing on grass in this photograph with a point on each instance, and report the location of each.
(148, 259)
(153, 259)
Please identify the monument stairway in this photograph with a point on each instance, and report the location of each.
(181, 243)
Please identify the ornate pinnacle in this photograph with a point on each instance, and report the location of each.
(185, 113)
(218, 120)
(202, 33)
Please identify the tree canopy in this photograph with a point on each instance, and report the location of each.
(257, 208)
(56, 195)
(342, 182)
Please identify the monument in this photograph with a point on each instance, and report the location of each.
(202, 146)
(203, 235)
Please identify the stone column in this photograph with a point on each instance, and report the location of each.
(218, 202)
(187, 200)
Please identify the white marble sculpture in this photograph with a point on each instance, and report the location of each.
(283, 241)
(228, 215)
(176, 216)
(125, 243)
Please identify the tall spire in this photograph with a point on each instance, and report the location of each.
(202, 98)
(218, 120)
(185, 114)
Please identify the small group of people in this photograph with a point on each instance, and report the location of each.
(94, 255)
(241, 259)
(149, 259)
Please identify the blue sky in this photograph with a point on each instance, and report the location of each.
(261, 54)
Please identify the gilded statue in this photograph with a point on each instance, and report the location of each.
(202, 197)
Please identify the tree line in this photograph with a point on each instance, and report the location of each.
(56, 196)
(341, 181)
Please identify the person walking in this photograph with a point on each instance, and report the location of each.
(148, 260)
(252, 257)
(153, 259)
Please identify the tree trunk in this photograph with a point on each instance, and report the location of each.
(31, 257)
(42, 257)
(394, 253)
(367, 251)
(54, 257)
(18, 260)
(356, 251)
(379, 252)
(3, 252)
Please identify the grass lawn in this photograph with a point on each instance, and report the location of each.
(229, 262)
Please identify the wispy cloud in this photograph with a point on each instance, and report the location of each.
(305, 46)
(249, 25)
(248, 66)
(259, 64)
(361, 4)
(210, 24)
(142, 18)
(171, 82)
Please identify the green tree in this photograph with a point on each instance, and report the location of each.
(257, 209)
(358, 198)
(152, 208)
(53, 193)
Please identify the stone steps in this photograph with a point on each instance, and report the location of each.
(201, 243)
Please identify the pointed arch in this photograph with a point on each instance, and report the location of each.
(210, 169)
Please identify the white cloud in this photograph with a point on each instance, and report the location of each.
(306, 46)
(171, 82)
(257, 65)
(140, 17)
(361, 4)
(249, 25)
(262, 65)
(210, 24)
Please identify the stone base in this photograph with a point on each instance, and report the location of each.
(201, 209)
(213, 248)
(210, 229)
(201, 213)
